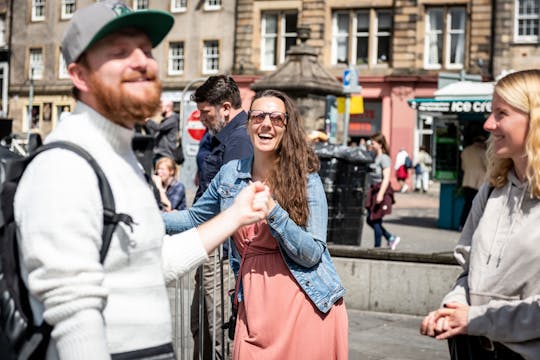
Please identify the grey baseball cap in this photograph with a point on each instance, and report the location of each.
(92, 23)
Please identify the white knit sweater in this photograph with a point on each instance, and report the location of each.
(95, 310)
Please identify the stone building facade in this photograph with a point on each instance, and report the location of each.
(398, 46)
(516, 40)
(199, 44)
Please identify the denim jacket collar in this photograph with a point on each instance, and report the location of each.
(243, 168)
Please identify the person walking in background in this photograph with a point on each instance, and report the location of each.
(172, 191)
(422, 170)
(402, 169)
(473, 164)
(290, 298)
(380, 197)
(492, 310)
(165, 133)
(220, 105)
(117, 308)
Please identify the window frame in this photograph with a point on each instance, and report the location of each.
(448, 45)
(525, 39)
(352, 35)
(446, 34)
(337, 34)
(29, 73)
(135, 5)
(62, 67)
(280, 37)
(213, 5)
(178, 9)
(380, 34)
(39, 123)
(171, 59)
(206, 57)
(34, 7)
(3, 39)
(64, 15)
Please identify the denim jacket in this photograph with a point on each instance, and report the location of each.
(303, 249)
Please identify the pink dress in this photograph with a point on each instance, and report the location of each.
(276, 319)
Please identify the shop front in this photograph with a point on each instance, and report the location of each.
(455, 116)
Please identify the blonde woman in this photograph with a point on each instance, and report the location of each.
(493, 310)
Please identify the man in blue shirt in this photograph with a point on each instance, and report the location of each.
(220, 105)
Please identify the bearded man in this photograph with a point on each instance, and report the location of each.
(118, 308)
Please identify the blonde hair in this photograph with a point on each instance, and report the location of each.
(520, 90)
(171, 165)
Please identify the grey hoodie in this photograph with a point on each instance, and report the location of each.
(499, 250)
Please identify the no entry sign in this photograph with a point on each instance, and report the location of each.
(194, 126)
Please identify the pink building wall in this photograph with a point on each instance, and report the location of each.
(398, 123)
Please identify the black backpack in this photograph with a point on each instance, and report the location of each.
(19, 337)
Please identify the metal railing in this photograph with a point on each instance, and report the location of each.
(181, 293)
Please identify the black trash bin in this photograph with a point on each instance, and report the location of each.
(344, 173)
(328, 171)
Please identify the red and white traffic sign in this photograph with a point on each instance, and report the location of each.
(194, 126)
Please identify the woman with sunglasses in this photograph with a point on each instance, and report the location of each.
(290, 298)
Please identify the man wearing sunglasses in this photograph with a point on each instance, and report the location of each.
(218, 100)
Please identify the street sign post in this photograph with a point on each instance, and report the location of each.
(350, 86)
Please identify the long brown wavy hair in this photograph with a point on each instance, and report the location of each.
(295, 160)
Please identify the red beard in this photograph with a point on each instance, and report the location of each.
(121, 106)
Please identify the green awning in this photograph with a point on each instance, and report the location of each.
(451, 105)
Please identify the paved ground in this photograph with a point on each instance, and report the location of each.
(381, 336)
(414, 219)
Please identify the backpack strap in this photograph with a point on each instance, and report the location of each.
(110, 217)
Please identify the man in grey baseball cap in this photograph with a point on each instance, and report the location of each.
(119, 307)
